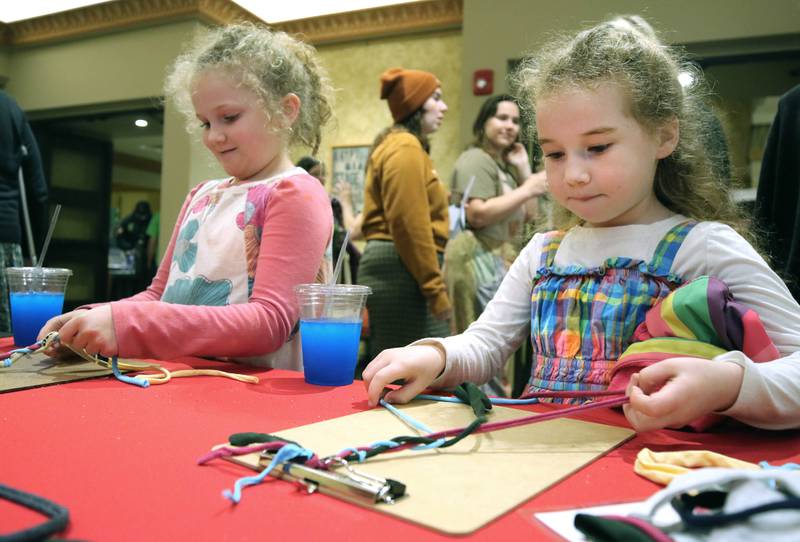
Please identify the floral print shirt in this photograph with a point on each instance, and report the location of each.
(225, 287)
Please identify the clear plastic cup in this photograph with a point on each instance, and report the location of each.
(36, 295)
(330, 331)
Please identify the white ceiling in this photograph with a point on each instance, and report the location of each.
(271, 12)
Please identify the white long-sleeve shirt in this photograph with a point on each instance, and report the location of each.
(770, 392)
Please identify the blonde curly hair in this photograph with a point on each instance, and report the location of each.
(647, 71)
(270, 64)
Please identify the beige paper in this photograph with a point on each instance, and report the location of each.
(459, 489)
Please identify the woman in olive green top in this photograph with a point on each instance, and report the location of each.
(502, 192)
(405, 218)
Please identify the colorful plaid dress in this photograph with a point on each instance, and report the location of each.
(583, 319)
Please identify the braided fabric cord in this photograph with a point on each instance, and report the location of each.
(57, 514)
(247, 443)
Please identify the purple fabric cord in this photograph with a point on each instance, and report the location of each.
(227, 451)
(496, 426)
(570, 393)
(656, 534)
(316, 463)
(726, 314)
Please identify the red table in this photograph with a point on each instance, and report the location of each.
(122, 459)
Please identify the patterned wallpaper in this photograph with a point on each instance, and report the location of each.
(359, 113)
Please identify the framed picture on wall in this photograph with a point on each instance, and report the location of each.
(348, 165)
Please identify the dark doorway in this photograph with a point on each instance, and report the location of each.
(98, 165)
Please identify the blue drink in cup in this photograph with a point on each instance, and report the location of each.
(330, 331)
(36, 294)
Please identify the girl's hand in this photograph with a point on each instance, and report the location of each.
(536, 184)
(55, 324)
(92, 331)
(343, 191)
(676, 391)
(517, 156)
(418, 365)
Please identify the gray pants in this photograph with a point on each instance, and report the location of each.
(10, 256)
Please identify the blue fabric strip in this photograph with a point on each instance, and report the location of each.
(285, 454)
(135, 380)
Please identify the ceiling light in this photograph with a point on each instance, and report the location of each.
(277, 12)
(141, 123)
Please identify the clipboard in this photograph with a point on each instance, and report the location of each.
(488, 474)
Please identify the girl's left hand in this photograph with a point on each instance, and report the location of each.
(677, 391)
(517, 156)
(342, 191)
(92, 331)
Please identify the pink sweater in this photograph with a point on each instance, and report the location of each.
(297, 228)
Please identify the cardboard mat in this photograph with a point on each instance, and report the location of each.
(459, 489)
(39, 370)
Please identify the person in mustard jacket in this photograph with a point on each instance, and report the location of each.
(405, 217)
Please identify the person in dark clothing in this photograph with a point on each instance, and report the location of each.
(778, 196)
(315, 168)
(17, 148)
(131, 235)
(132, 230)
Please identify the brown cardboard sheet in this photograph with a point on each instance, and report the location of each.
(39, 370)
(459, 489)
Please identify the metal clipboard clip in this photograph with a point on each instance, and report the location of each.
(345, 483)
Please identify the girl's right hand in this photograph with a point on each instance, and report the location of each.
(517, 156)
(417, 365)
(536, 184)
(342, 190)
(54, 324)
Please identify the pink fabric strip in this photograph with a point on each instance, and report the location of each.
(228, 451)
(648, 529)
(571, 393)
(487, 427)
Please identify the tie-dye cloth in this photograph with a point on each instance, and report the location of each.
(700, 319)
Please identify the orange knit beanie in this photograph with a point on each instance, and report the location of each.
(406, 90)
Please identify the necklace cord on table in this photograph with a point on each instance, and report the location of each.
(57, 515)
(143, 380)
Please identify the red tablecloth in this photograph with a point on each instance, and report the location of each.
(122, 459)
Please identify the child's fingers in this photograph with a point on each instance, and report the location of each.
(78, 339)
(380, 361)
(633, 382)
(640, 411)
(654, 377)
(657, 404)
(403, 395)
(68, 330)
(53, 324)
(380, 380)
(663, 408)
(640, 422)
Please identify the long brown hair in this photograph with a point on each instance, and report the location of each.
(411, 124)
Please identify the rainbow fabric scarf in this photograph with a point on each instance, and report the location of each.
(700, 319)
